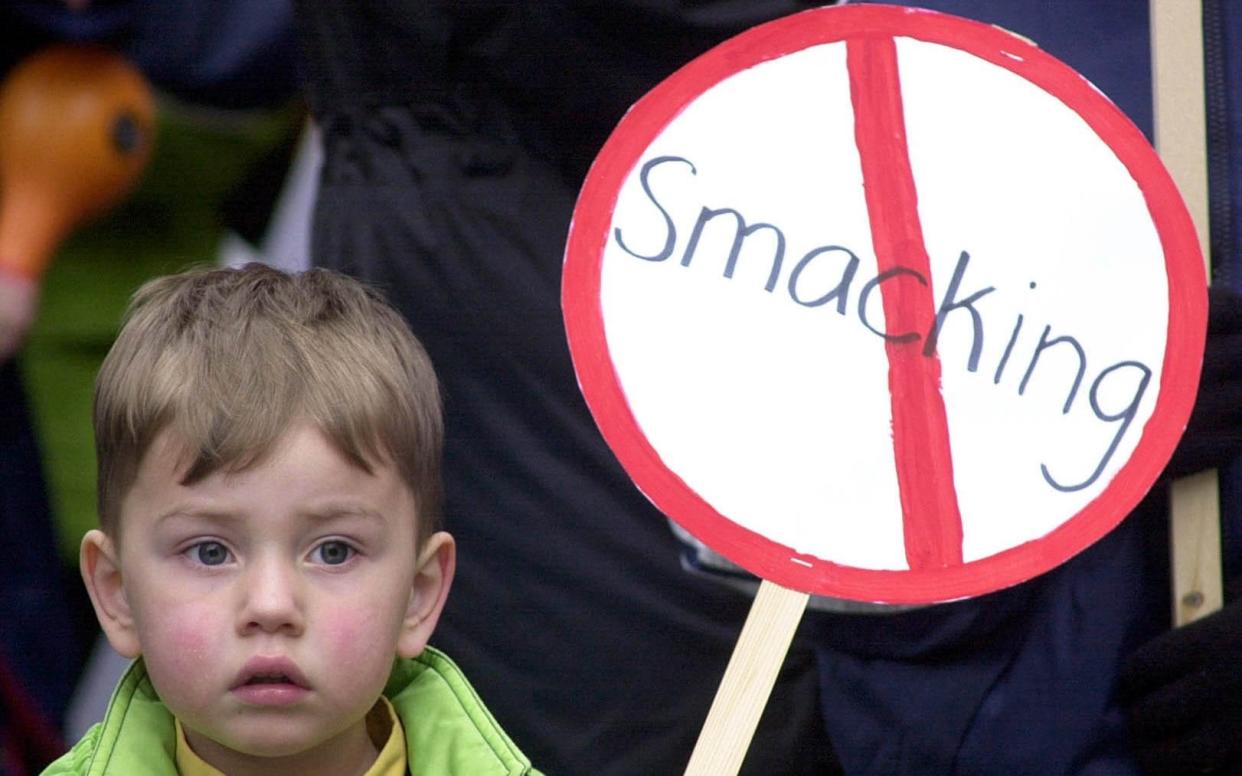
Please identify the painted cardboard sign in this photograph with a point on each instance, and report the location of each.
(885, 304)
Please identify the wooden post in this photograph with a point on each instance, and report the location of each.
(1181, 140)
(747, 682)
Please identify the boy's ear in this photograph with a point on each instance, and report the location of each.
(432, 579)
(101, 571)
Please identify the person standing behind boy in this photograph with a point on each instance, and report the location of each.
(456, 136)
(269, 456)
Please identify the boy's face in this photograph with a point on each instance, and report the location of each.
(268, 604)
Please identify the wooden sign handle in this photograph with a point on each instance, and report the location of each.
(748, 680)
(1181, 140)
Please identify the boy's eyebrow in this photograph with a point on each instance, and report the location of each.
(217, 516)
(318, 514)
(335, 511)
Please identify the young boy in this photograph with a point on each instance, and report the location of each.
(269, 452)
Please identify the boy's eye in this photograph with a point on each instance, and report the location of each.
(333, 553)
(210, 553)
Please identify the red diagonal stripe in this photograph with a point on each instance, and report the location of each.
(931, 517)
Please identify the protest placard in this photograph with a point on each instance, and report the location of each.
(885, 305)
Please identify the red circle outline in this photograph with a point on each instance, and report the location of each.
(601, 387)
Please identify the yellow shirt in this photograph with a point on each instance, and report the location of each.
(390, 762)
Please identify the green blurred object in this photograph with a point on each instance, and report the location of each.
(171, 221)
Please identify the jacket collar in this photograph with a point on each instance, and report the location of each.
(448, 730)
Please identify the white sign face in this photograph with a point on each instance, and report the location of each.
(885, 305)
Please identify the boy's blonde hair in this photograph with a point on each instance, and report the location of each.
(229, 359)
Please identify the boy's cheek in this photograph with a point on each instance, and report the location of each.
(181, 637)
(190, 639)
(361, 636)
(182, 666)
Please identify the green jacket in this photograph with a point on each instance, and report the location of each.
(447, 728)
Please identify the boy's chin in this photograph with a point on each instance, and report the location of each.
(268, 743)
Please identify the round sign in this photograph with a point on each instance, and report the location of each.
(885, 304)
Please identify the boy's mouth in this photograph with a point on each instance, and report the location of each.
(262, 671)
(269, 679)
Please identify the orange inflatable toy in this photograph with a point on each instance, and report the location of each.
(76, 129)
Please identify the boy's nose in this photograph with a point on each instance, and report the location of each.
(272, 598)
